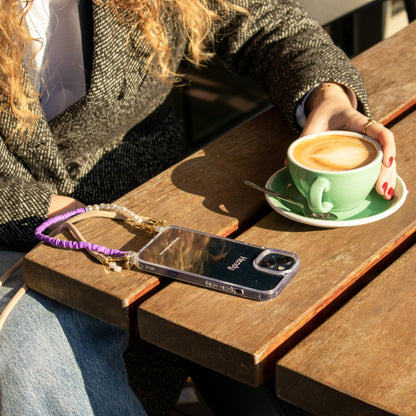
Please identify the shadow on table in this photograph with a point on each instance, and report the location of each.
(226, 194)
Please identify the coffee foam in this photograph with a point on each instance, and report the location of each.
(335, 153)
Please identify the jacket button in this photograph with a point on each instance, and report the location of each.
(73, 169)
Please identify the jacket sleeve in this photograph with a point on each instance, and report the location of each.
(285, 51)
(24, 203)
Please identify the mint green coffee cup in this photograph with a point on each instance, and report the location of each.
(335, 170)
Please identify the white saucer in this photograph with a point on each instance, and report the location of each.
(375, 206)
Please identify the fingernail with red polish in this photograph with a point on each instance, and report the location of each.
(384, 187)
(390, 161)
(390, 192)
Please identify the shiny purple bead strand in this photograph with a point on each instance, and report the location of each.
(73, 245)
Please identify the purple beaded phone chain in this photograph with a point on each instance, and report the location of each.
(109, 257)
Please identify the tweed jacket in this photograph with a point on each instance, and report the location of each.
(124, 130)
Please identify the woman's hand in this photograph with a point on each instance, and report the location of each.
(330, 108)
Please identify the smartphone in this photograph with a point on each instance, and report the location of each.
(218, 263)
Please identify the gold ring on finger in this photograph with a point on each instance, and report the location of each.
(369, 123)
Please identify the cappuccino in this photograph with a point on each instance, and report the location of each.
(335, 152)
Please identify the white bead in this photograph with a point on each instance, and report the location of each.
(113, 266)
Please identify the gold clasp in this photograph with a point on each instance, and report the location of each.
(109, 263)
(153, 225)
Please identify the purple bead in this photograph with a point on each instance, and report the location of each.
(73, 245)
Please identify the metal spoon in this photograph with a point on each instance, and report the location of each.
(306, 211)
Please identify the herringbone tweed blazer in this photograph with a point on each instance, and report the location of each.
(124, 130)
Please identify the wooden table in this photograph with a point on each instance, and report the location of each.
(244, 339)
(240, 338)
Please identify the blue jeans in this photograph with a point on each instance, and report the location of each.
(58, 361)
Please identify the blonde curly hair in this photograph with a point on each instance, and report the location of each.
(17, 95)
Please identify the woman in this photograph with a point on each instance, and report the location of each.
(73, 137)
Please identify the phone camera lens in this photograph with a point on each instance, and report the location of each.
(285, 260)
(279, 262)
(268, 262)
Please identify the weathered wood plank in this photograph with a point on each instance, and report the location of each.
(361, 361)
(388, 71)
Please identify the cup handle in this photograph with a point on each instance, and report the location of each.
(316, 192)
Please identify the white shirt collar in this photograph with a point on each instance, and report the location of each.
(59, 65)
